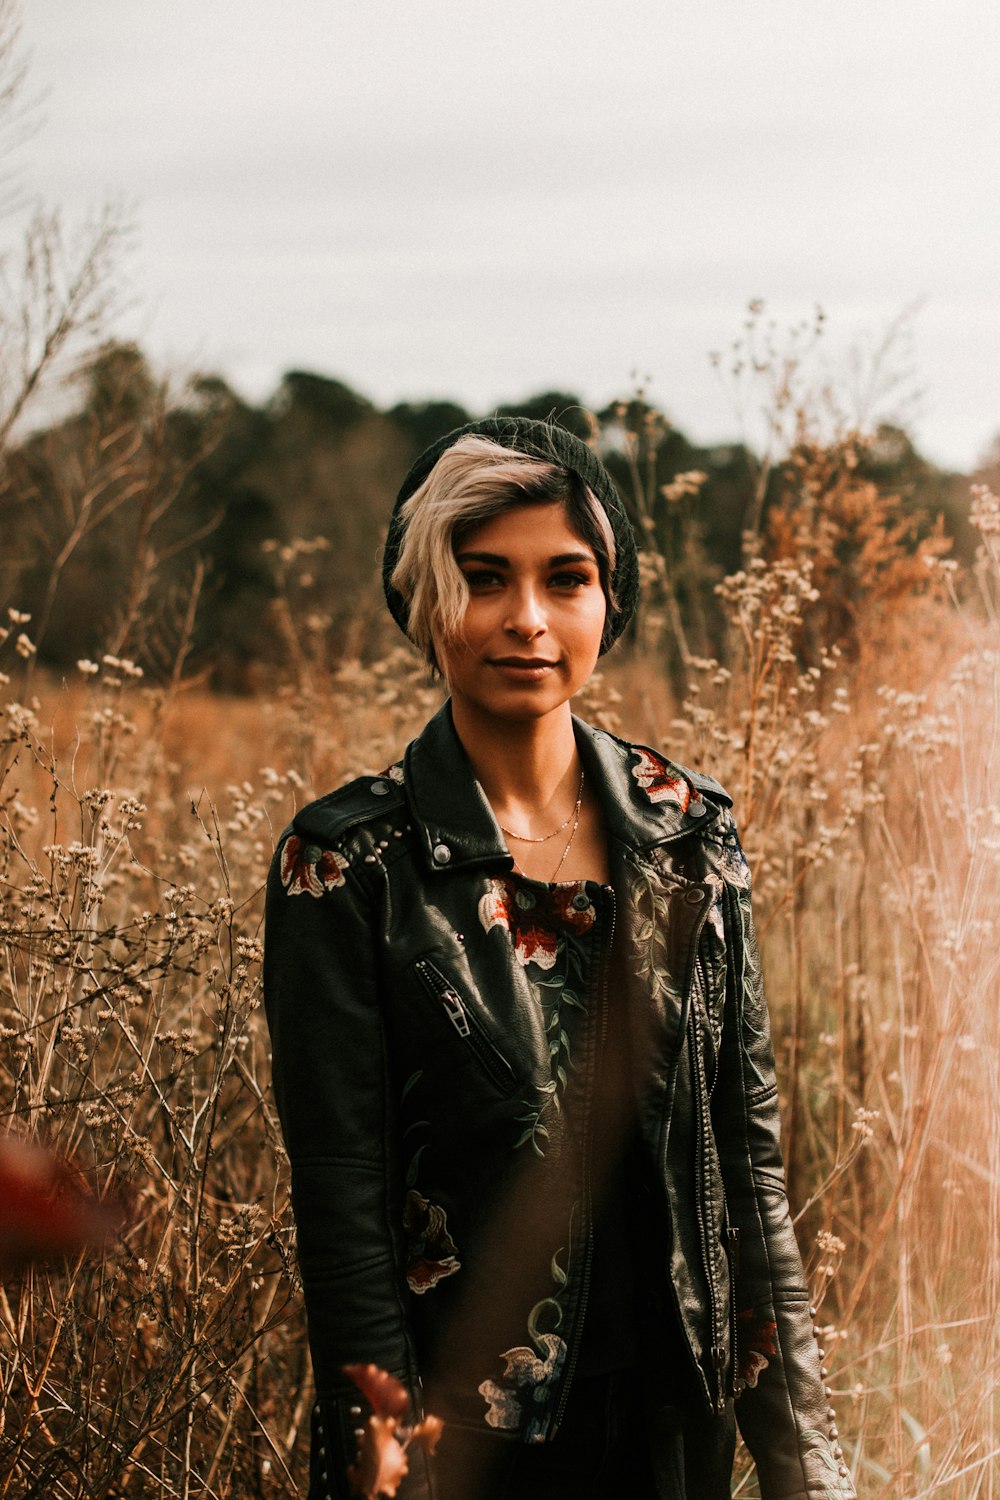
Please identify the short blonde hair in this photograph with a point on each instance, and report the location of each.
(473, 480)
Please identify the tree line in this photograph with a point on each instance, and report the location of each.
(199, 534)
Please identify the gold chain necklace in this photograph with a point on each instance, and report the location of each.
(524, 838)
(573, 818)
(572, 836)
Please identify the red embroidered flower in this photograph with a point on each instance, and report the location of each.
(537, 920)
(431, 1251)
(658, 781)
(308, 870)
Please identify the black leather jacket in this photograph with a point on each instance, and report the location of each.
(443, 1148)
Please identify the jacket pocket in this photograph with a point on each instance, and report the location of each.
(449, 1003)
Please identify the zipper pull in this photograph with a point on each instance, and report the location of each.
(733, 1238)
(719, 1362)
(455, 1012)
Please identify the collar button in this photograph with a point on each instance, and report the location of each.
(697, 810)
(442, 854)
(380, 788)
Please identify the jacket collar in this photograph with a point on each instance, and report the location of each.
(645, 802)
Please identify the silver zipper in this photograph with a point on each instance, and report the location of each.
(455, 1011)
(718, 1353)
(444, 994)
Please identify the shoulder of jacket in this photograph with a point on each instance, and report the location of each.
(367, 800)
(707, 786)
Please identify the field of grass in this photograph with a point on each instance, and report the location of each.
(136, 827)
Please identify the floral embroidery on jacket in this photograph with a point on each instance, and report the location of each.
(757, 1340)
(837, 1483)
(393, 773)
(431, 1251)
(513, 1404)
(538, 920)
(308, 870)
(734, 861)
(658, 781)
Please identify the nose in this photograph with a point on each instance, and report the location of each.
(525, 614)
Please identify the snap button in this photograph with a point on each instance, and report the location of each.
(380, 788)
(697, 809)
(355, 1411)
(695, 896)
(442, 854)
(580, 901)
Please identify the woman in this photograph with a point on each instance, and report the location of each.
(521, 1053)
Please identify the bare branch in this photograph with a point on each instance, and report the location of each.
(62, 296)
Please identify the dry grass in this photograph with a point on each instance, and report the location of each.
(136, 830)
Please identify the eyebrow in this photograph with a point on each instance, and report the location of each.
(497, 560)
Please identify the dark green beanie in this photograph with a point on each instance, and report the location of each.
(554, 445)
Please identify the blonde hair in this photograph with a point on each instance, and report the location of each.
(472, 480)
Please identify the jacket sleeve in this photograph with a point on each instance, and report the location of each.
(332, 1091)
(783, 1410)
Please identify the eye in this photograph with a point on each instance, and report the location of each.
(479, 579)
(570, 580)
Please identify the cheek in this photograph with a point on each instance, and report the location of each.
(452, 653)
(593, 632)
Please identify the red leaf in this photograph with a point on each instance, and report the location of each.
(427, 1433)
(387, 1395)
(47, 1209)
(381, 1461)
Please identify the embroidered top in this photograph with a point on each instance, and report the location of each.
(561, 933)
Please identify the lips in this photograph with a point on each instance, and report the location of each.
(525, 663)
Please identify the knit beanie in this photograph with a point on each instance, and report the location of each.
(555, 445)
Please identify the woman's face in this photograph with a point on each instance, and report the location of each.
(532, 630)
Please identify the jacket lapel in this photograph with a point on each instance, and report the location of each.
(646, 800)
(452, 816)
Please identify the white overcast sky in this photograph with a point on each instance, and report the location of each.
(482, 201)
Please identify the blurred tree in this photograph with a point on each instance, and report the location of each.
(890, 459)
(426, 421)
(564, 409)
(94, 515)
(328, 402)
